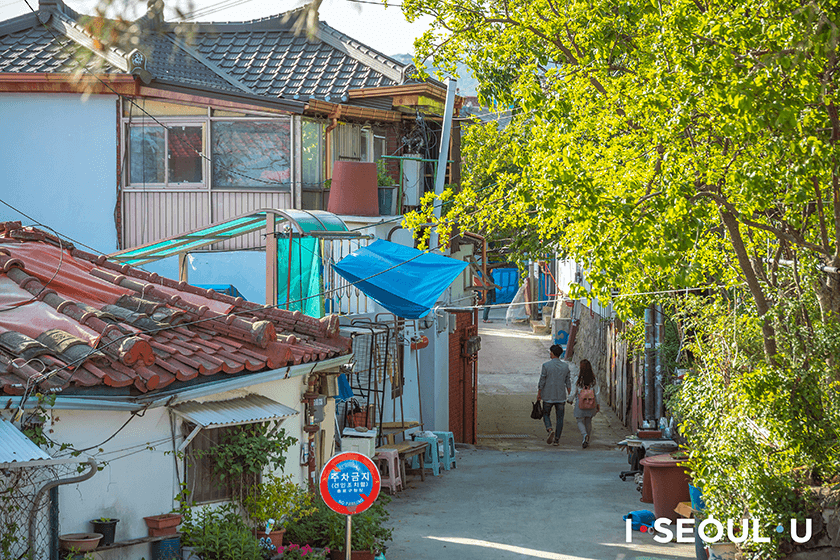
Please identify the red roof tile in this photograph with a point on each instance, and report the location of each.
(71, 319)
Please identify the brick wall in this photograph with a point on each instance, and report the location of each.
(462, 411)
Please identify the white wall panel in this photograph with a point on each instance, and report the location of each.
(58, 163)
(228, 205)
(153, 215)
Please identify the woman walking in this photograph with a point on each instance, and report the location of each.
(587, 399)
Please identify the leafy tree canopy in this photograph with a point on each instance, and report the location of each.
(663, 143)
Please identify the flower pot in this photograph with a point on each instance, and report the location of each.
(276, 537)
(107, 528)
(165, 524)
(79, 542)
(354, 555)
(189, 553)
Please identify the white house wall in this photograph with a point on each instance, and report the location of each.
(59, 163)
(141, 474)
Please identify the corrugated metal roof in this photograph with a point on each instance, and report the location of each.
(16, 447)
(243, 410)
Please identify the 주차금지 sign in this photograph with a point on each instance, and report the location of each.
(350, 483)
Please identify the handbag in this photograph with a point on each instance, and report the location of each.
(537, 410)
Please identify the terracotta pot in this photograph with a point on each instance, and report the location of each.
(354, 555)
(165, 524)
(80, 542)
(276, 537)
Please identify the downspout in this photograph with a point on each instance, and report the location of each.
(311, 428)
(660, 338)
(46, 488)
(649, 363)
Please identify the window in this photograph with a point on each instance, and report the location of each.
(252, 154)
(166, 156)
(202, 479)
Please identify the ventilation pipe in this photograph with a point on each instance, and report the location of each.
(443, 154)
(33, 512)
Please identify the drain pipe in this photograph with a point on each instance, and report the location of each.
(660, 366)
(46, 488)
(650, 339)
(311, 428)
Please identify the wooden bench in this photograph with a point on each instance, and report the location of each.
(408, 449)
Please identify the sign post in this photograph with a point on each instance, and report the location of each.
(349, 484)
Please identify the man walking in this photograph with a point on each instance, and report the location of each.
(554, 387)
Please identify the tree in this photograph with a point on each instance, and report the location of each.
(665, 143)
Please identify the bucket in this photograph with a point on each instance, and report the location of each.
(387, 200)
(696, 496)
(167, 549)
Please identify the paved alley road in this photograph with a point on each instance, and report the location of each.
(512, 496)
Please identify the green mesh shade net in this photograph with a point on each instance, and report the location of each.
(304, 262)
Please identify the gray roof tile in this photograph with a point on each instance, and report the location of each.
(263, 54)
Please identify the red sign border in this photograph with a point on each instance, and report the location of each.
(376, 480)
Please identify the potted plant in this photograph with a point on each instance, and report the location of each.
(387, 189)
(274, 502)
(219, 533)
(107, 526)
(164, 524)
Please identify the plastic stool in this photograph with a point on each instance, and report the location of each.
(430, 457)
(390, 459)
(448, 440)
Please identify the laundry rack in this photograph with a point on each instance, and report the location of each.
(377, 370)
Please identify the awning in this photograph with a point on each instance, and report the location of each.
(16, 447)
(403, 280)
(232, 412)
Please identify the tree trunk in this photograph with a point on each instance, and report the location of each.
(744, 263)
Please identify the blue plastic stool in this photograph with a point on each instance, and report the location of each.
(448, 440)
(430, 457)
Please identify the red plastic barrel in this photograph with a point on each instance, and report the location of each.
(668, 484)
(353, 190)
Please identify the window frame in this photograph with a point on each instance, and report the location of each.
(166, 123)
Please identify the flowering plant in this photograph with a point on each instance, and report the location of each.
(297, 552)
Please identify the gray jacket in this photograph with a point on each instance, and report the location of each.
(555, 381)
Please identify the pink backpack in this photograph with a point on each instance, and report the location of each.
(586, 398)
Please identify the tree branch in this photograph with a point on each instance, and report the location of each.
(746, 267)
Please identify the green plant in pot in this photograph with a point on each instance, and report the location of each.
(219, 533)
(274, 502)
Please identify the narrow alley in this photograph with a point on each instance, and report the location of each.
(514, 496)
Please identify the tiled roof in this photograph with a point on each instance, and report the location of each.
(99, 324)
(264, 57)
(36, 48)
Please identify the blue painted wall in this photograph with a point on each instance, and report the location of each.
(58, 164)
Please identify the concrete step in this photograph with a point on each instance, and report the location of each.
(539, 327)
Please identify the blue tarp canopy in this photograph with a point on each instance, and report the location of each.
(403, 280)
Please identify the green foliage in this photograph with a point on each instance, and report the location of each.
(249, 449)
(297, 552)
(218, 533)
(277, 498)
(326, 528)
(383, 178)
(369, 531)
(636, 126)
(759, 434)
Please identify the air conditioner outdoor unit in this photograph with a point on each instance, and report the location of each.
(412, 179)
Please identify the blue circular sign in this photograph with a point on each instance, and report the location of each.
(350, 483)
